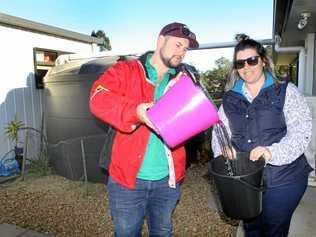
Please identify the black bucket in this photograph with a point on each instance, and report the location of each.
(241, 194)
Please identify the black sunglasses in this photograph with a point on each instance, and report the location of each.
(185, 31)
(252, 61)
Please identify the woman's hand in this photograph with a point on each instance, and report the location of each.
(141, 112)
(230, 152)
(260, 151)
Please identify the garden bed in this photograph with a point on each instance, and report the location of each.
(55, 205)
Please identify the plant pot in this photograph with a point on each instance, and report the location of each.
(19, 155)
(18, 150)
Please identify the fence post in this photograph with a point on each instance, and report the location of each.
(24, 154)
(84, 166)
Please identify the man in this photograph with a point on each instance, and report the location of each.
(144, 173)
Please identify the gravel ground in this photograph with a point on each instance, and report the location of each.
(55, 205)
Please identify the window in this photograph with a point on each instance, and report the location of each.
(44, 59)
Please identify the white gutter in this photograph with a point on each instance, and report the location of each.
(17, 22)
(62, 59)
(229, 44)
(301, 60)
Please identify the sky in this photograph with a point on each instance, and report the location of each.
(133, 25)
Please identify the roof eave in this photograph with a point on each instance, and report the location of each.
(20, 23)
(281, 13)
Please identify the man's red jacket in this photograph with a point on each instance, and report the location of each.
(113, 99)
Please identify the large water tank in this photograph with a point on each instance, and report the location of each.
(73, 133)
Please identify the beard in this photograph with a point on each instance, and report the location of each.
(170, 62)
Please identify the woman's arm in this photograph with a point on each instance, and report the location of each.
(299, 129)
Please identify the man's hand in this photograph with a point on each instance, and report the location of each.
(260, 151)
(141, 112)
(177, 77)
(174, 80)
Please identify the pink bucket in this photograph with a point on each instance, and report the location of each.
(182, 112)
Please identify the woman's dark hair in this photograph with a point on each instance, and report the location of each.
(245, 42)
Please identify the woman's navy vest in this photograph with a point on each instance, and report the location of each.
(262, 123)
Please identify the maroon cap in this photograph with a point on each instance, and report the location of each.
(180, 30)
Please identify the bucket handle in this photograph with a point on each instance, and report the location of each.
(191, 71)
(195, 77)
(260, 189)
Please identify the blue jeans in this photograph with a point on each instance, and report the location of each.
(153, 200)
(278, 206)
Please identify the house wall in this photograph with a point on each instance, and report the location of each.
(18, 95)
(310, 76)
(314, 74)
(310, 89)
(311, 150)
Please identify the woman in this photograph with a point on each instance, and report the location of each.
(268, 118)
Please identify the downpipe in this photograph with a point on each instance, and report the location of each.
(301, 59)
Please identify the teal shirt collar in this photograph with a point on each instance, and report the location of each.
(152, 72)
(239, 83)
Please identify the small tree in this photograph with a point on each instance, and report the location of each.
(106, 45)
(12, 130)
(215, 79)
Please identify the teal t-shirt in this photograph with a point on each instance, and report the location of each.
(155, 163)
